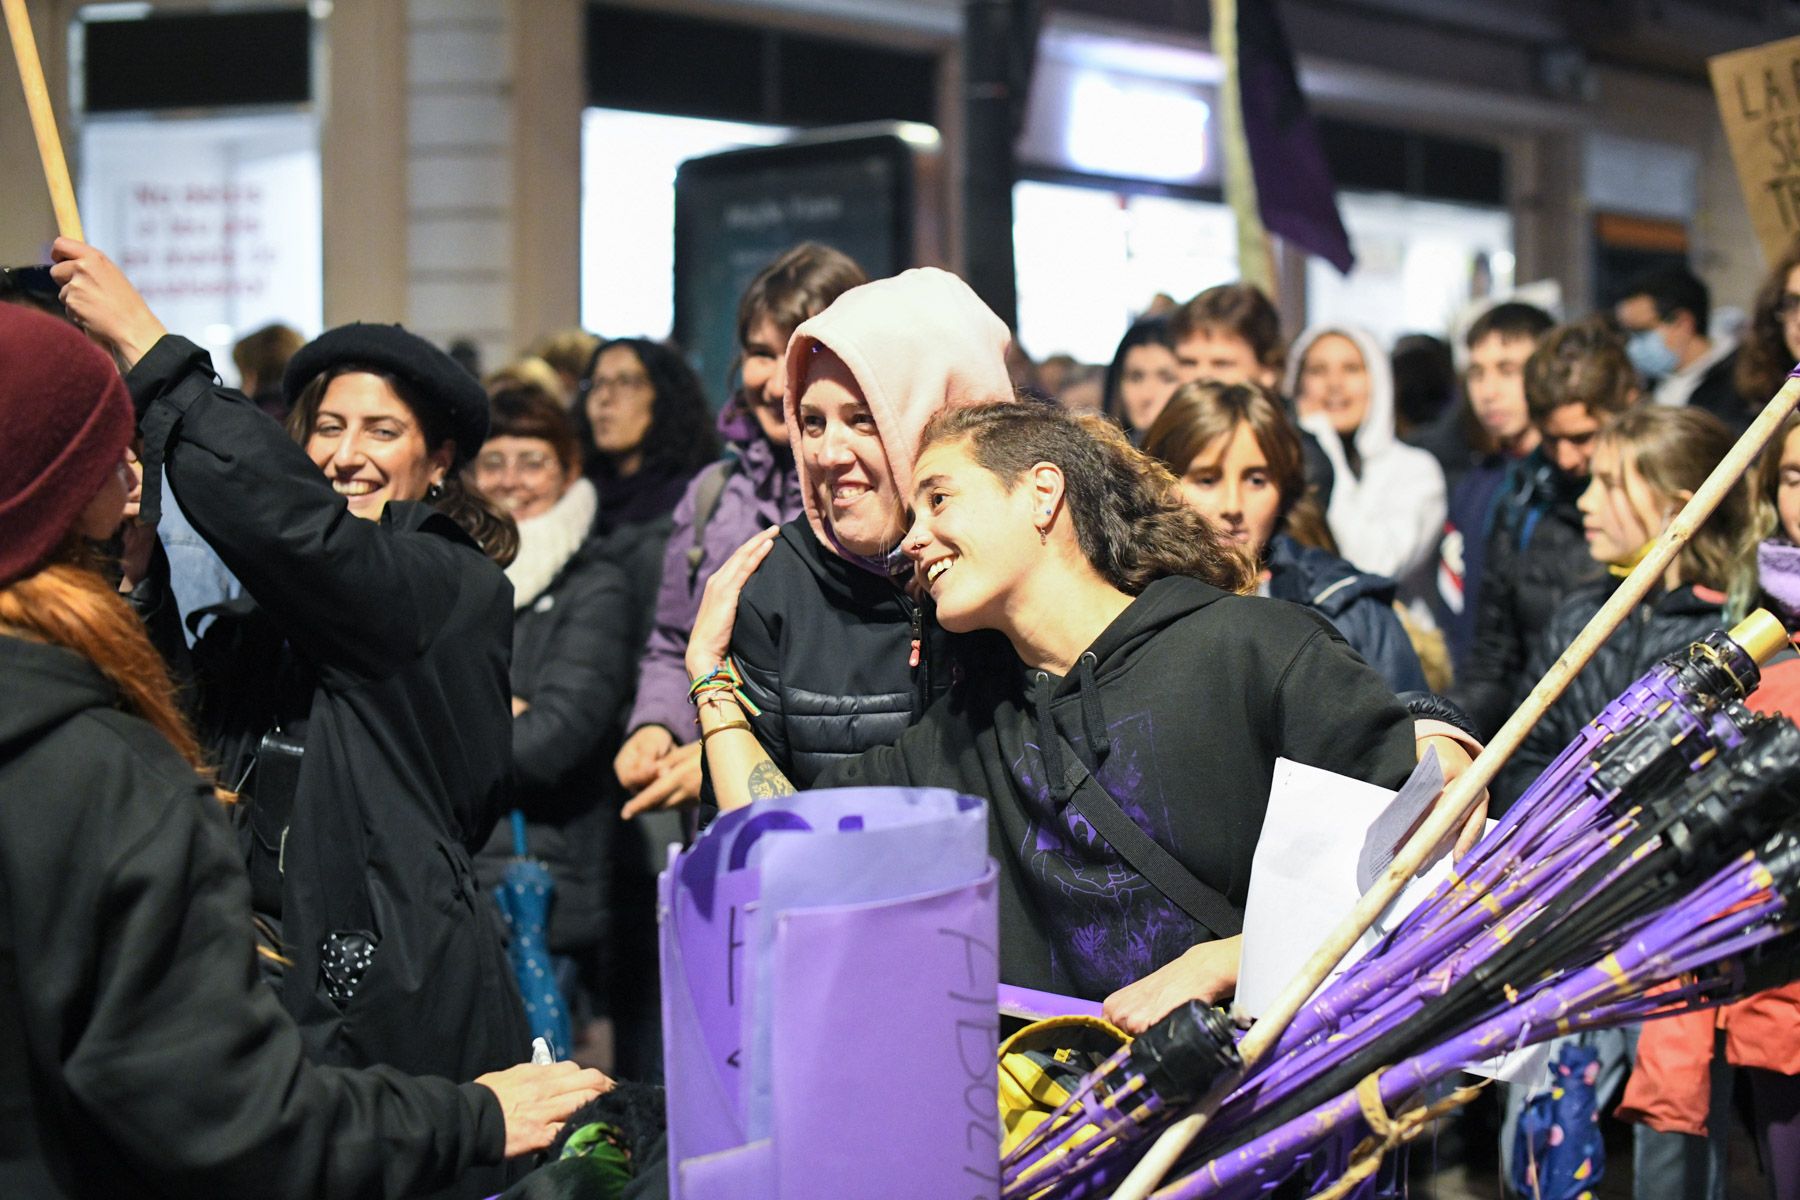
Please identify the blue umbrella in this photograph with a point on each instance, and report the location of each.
(524, 898)
(1559, 1154)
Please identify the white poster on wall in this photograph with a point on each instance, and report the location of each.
(215, 219)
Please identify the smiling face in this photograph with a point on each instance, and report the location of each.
(522, 475)
(764, 379)
(1334, 380)
(846, 464)
(1619, 510)
(1146, 383)
(973, 541)
(1230, 484)
(1496, 388)
(371, 446)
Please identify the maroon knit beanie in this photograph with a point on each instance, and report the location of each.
(65, 419)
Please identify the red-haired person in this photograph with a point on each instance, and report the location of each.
(140, 1054)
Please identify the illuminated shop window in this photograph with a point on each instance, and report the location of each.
(628, 163)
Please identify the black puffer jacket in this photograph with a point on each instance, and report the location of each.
(574, 663)
(1535, 556)
(1652, 631)
(383, 647)
(140, 1055)
(826, 650)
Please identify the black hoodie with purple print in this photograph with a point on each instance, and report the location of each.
(1179, 709)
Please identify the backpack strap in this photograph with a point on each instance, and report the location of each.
(1141, 852)
(706, 503)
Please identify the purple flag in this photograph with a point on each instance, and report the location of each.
(1294, 188)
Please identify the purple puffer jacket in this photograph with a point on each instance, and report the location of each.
(762, 490)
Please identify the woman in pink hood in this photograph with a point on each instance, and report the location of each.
(833, 649)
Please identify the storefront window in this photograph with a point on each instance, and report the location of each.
(628, 163)
(1090, 260)
(1419, 263)
(215, 219)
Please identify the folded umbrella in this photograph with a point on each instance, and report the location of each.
(524, 896)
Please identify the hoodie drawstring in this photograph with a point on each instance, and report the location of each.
(1094, 744)
(1093, 721)
(1049, 742)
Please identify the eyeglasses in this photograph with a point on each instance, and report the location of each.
(631, 381)
(533, 463)
(1787, 307)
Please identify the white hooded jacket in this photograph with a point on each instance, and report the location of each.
(1390, 520)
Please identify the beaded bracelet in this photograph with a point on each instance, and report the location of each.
(722, 678)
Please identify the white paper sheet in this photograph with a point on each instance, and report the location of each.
(1322, 836)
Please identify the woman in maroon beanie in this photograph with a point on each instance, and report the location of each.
(139, 1053)
(359, 693)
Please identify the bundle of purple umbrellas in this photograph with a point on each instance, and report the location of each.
(1652, 869)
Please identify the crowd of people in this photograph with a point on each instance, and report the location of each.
(304, 666)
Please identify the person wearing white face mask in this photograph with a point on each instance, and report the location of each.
(1664, 313)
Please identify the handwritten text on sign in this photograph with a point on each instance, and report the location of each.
(1758, 91)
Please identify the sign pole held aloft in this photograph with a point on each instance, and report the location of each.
(43, 119)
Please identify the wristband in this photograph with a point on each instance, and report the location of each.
(723, 678)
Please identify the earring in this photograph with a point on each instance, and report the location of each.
(1044, 531)
(434, 491)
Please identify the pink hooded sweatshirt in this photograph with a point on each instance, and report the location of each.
(916, 343)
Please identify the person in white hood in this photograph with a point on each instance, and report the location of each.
(1387, 504)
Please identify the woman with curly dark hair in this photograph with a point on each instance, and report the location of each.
(645, 428)
(1773, 342)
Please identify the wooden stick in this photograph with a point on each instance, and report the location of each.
(43, 119)
(1460, 797)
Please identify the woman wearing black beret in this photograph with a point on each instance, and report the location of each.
(358, 694)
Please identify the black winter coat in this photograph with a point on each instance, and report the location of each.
(1536, 555)
(826, 651)
(574, 662)
(1359, 604)
(383, 646)
(140, 1054)
(1652, 631)
(1179, 709)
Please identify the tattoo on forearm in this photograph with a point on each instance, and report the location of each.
(767, 780)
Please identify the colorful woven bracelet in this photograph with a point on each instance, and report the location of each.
(723, 678)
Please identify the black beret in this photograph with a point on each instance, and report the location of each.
(456, 398)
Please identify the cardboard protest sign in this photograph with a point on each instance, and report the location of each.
(1759, 100)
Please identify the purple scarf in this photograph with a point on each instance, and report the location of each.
(1778, 570)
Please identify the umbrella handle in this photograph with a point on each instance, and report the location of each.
(518, 824)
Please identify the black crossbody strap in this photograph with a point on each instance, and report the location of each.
(1205, 905)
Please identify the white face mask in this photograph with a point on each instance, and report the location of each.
(1651, 355)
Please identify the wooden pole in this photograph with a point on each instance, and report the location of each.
(1256, 263)
(43, 119)
(1460, 797)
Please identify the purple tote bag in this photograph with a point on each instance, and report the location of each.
(830, 969)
